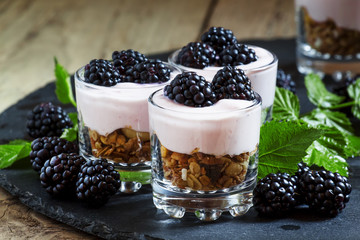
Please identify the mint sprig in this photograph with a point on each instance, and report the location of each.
(63, 85)
(13, 151)
(71, 134)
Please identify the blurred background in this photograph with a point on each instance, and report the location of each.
(33, 32)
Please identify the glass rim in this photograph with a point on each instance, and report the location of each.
(257, 102)
(172, 60)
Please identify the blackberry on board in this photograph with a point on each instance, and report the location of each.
(285, 81)
(191, 90)
(59, 173)
(47, 119)
(325, 191)
(275, 194)
(196, 55)
(97, 182)
(218, 38)
(236, 54)
(232, 83)
(125, 59)
(150, 71)
(45, 148)
(102, 72)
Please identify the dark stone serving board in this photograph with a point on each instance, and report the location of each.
(135, 216)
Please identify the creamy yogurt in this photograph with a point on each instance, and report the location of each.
(228, 127)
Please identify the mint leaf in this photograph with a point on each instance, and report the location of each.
(283, 145)
(286, 105)
(354, 93)
(71, 134)
(322, 156)
(318, 94)
(141, 177)
(353, 146)
(329, 118)
(63, 85)
(13, 151)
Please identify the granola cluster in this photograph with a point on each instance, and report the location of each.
(200, 171)
(124, 145)
(327, 37)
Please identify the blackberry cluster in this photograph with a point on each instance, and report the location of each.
(102, 72)
(47, 119)
(59, 174)
(232, 83)
(45, 148)
(285, 81)
(150, 71)
(236, 54)
(218, 38)
(196, 55)
(191, 90)
(275, 194)
(97, 182)
(324, 191)
(123, 60)
(342, 88)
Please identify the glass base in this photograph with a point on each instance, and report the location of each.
(206, 206)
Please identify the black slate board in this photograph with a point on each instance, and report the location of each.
(135, 216)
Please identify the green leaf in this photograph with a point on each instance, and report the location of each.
(13, 151)
(63, 85)
(71, 134)
(318, 94)
(283, 145)
(354, 93)
(353, 146)
(141, 177)
(329, 118)
(323, 156)
(286, 105)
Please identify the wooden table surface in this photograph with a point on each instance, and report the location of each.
(33, 32)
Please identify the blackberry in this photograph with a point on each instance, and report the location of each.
(59, 174)
(44, 148)
(236, 54)
(196, 55)
(123, 60)
(232, 83)
(46, 120)
(218, 38)
(285, 81)
(102, 72)
(97, 182)
(150, 71)
(341, 89)
(325, 191)
(275, 194)
(191, 90)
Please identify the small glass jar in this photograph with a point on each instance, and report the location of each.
(328, 37)
(114, 124)
(204, 160)
(262, 74)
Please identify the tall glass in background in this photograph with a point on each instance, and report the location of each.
(328, 37)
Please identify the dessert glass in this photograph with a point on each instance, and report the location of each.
(262, 74)
(114, 124)
(204, 160)
(328, 37)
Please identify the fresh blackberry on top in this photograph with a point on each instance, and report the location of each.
(236, 54)
(196, 55)
(44, 148)
(275, 194)
(101, 72)
(150, 71)
(285, 81)
(232, 83)
(97, 182)
(325, 191)
(125, 59)
(191, 90)
(47, 119)
(59, 173)
(218, 38)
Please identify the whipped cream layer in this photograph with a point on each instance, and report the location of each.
(345, 13)
(105, 109)
(228, 127)
(262, 73)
